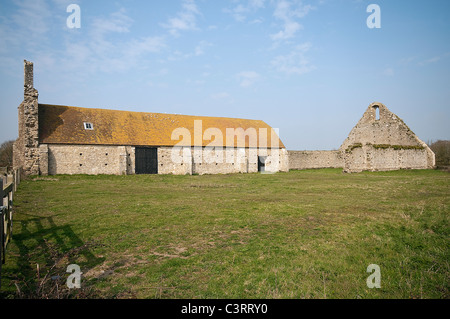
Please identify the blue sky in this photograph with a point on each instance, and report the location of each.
(308, 68)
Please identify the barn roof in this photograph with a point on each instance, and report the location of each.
(65, 125)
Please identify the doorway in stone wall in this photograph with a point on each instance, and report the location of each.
(262, 163)
(146, 160)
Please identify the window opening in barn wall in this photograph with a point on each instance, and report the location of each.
(377, 113)
(88, 126)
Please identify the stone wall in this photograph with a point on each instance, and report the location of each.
(240, 160)
(370, 158)
(131, 160)
(87, 159)
(18, 145)
(120, 160)
(315, 159)
(43, 159)
(223, 161)
(167, 166)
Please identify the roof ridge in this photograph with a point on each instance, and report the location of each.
(140, 112)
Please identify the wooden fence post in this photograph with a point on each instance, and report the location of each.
(2, 226)
(1, 191)
(15, 180)
(8, 186)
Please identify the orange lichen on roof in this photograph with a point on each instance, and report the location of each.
(65, 125)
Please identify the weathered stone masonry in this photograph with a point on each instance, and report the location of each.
(315, 159)
(119, 160)
(384, 142)
(26, 148)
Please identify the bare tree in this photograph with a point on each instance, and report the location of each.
(442, 151)
(6, 154)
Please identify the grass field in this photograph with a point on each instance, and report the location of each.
(302, 234)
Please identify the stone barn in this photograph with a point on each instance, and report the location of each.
(57, 139)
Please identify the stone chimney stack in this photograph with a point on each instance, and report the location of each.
(26, 148)
(29, 90)
(28, 76)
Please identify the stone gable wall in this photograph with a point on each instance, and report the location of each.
(384, 143)
(388, 129)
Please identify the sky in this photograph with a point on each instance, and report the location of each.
(307, 68)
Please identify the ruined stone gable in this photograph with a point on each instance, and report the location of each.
(382, 141)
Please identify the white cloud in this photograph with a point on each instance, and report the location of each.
(295, 62)
(247, 78)
(138, 47)
(289, 31)
(429, 61)
(25, 32)
(102, 27)
(186, 20)
(32, 16)
(242, 10)
(117, 22)
(288, 12)
(257, 21)
(103, 50)
(435, 59)
(200, 48)
(257, 3)
(62, 4)
(30, 22)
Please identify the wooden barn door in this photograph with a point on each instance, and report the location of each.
(146, 160)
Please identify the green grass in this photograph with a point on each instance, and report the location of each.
(302, 234)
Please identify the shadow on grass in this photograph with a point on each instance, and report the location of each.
(44, 250)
